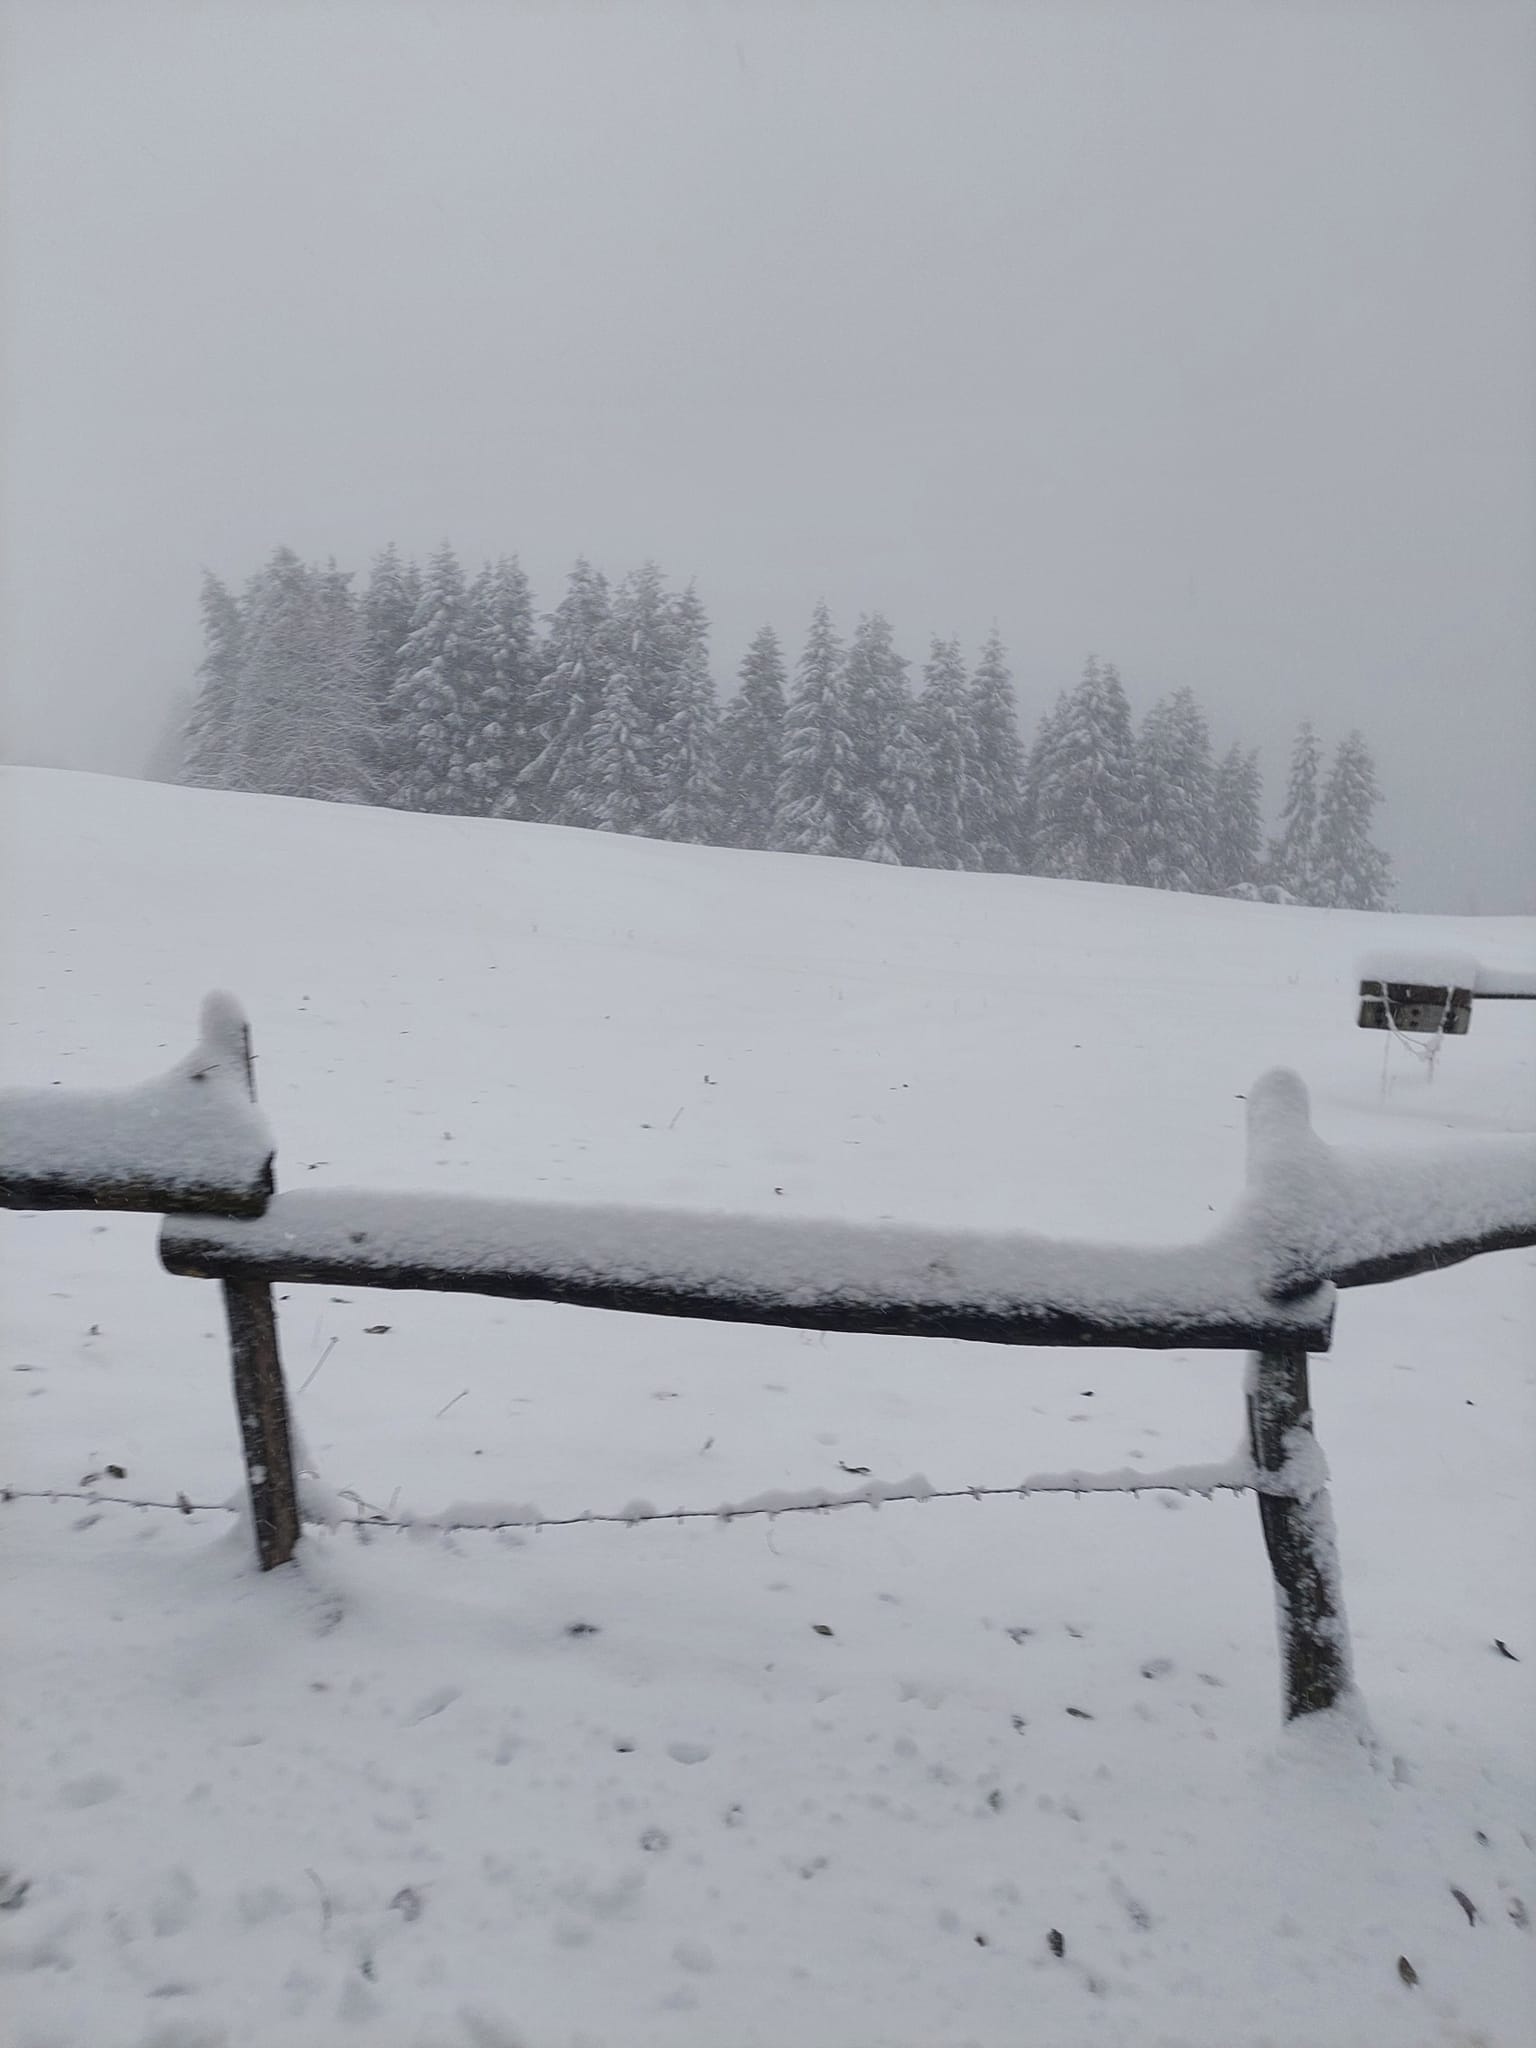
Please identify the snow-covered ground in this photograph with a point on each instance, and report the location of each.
(846, 1781)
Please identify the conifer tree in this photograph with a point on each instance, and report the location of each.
(428, 738)
(994, 795)
(388, 606)
(623, 752)
(304, 722)
(556, 785)
(1037, 764)
(884, 775)
(1293, 852)
(496, 699)
(213, 743)
(943, 726)
(1086, 808)
(334, 744)
(1237, 822)
(819, 806)
(1350, 872)
(752, 744)
(1176, 787)
(689, 801)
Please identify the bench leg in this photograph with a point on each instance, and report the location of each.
(1297, 1517)
(261, 1402)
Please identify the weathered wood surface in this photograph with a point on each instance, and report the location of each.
(135, 1196)
(1297, 1520)
(261, 1404)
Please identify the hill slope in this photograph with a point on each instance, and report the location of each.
(706, 1822)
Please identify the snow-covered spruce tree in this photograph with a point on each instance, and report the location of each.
(819, 807)
(994, 792)
(304, 718)
(1086, 815)
(623, 750)
(1037, 767)
(885, 771)
(1237, 822)
(427, 726)
(752, 744)
(334, 755)
(575, 660)
(1176, 788)
(1293, 851)
(385, 612)
(1349, 871)
(689, 801)
(212, 748)
(944, 729)
(499, 674)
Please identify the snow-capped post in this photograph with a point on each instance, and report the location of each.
(1297, 1518)
(261, 1396)
(1294, 1206)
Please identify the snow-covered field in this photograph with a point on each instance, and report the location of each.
(842, 1781)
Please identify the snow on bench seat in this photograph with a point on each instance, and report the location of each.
(191, 1141)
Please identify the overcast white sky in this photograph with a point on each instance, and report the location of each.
(1198, 335)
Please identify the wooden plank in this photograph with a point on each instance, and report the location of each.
(136, 1196)
(1431, 1258)
(184, 1253)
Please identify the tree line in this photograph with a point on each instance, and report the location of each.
(431, 691)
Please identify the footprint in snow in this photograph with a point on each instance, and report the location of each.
(93, 1790)
(434, 1702)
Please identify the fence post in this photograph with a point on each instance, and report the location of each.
(261, 1402)
(1297, 1518)
(261, 1398)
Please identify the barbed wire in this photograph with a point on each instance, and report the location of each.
(1221, 1479)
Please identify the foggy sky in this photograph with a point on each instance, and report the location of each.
(1197, 336)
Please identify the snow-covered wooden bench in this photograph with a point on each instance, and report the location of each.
(1312, 1220)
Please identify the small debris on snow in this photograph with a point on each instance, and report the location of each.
(407, 1902)
(1056, 1942)
(1080, 1713)
(1406, 1971)
(1504, 1650)
(821, 1628)
(582, 1628)
(1465, 1904)
(376, 1330)
(12, 1891)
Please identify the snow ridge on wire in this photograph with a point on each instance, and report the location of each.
(1235, 1475)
